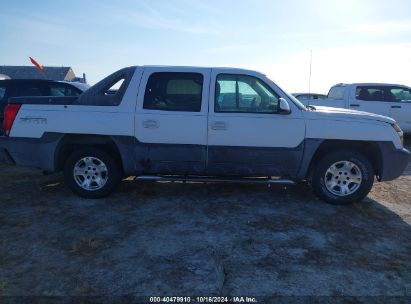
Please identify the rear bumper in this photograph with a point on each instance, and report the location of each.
(38, 153)
(394, 162)
(5, 157)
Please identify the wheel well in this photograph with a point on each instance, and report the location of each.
(72, 142)
(369, 149)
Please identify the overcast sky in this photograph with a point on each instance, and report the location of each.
(351, 41)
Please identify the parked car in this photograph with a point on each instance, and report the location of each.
(306, 96)
(202, 124)
(391, 100)
(37, 87)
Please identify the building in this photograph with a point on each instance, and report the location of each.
(32, 72)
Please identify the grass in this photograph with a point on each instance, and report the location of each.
(3, 286)
(41, 209)
(369, 211)
(125, 208)
(289, 221)
(147, 192)
(24, 222)
(84, 289)
(276, 224)
(3, 257)
(87, 246)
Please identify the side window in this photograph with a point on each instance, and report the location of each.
(336, 93)
(57, 91)
(108, 91)
(371, 93)
(2, 92)
(34, 89)
(398, 94)
(60, 90)
(174, 92)
(114, 88)
(319, 96)
(244, 94)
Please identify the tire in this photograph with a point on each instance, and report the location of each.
(342, 177)
(97, 173)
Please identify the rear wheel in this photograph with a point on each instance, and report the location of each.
(343, 177)
(92, 173)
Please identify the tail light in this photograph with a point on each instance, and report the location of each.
(10, 113)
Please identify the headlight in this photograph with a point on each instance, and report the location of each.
(397, 128)
(399, 131)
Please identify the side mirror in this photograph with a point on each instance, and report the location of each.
(283, 106)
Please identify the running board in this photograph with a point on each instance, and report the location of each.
(204, 179)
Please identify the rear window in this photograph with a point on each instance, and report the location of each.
(336, 93)
(174, 92)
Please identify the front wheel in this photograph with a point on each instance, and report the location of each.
(92, 173)
(342, 177)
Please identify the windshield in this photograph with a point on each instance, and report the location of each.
(298, 103)
(336, 92)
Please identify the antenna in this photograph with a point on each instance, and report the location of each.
(309, 77)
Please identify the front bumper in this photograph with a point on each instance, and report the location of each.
(394, 162)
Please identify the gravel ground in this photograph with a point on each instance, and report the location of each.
(151, 239)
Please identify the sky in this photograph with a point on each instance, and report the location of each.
(350, 40)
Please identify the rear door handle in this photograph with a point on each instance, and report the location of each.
(354, 105)
(150, 124)
(395, 107)
(218, 125)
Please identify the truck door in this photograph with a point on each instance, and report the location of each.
(399, 99)
(246, 134)
(369, 98)
(171, 120)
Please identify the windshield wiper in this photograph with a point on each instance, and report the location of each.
(310, 107)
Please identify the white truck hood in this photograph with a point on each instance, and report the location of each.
(348, 113)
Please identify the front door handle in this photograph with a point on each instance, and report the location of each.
(150, 124)
(354, 105)
(218, 125)
(395, 107)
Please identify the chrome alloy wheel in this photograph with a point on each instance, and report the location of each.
(343, 178)
(90, 173)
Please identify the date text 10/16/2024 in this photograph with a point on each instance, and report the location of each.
(203, 300)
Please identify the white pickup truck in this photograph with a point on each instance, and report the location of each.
(203, 124)
(391, 100)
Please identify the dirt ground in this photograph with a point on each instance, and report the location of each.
(163, 239)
